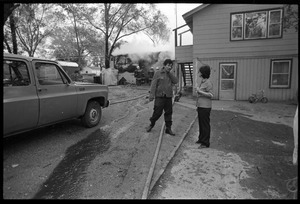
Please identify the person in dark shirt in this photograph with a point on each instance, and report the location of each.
(161, 90)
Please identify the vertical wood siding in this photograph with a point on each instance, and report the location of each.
(253, 74)
(211, 43)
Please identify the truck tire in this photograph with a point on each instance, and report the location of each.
(92, 114)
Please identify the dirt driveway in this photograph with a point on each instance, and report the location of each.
(250, 155)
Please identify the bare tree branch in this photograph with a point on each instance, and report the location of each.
(92, 23)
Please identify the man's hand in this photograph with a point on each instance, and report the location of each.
(148, 100)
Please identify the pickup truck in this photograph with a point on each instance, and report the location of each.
(38, 92)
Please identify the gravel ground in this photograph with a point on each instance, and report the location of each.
(250, 155)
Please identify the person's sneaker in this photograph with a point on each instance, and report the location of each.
(149, 128)
(169, 131)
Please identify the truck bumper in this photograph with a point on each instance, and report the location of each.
(107, 104)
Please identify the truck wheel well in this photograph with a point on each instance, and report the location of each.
(100, 100)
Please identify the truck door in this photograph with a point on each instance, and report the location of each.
(20, 101)
(58, 98)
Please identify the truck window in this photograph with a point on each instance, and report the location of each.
(49, 74)
(15, 73)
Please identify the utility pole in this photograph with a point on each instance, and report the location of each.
(177, 73)
(176, 14)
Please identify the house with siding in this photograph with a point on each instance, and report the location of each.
(246, 47)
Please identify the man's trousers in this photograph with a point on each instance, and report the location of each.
(162, 104)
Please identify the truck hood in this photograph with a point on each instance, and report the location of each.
(89, 86)
(84, 83)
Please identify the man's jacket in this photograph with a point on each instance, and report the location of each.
(161, 85)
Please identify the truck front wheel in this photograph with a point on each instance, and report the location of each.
(92, 114)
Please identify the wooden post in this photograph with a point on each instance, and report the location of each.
(180, 77)
(175, 37)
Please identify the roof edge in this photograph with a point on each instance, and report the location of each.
(190, 13)
(68, 63)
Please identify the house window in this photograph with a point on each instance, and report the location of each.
(256, 25)
(237, 26)
(281, 73)
(275, 26)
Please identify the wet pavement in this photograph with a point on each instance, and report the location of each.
(64, 182)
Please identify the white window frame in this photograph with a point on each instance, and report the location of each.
(280, 24)
(238, 26)
(268, 24)
(289, 73)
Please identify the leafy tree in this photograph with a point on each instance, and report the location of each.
(291, 17)
(63, 44)
(13, 33)
(88, 42)
(5, 41)
(66, 48)
(34, 22)
(7, 10)
(117, 21)
(9, 28)
(10, 38)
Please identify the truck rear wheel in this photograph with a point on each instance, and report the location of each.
(92, 114)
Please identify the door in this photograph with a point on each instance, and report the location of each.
(227, 81)
(58, 98)
(20, 101)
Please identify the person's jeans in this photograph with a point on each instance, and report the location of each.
(204, 125)
(160, 105)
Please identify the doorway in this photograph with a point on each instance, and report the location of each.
(227, 83)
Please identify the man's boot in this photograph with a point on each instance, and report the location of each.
(169, 131)
(149, 128)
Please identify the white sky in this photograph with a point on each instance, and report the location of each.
(141, 43)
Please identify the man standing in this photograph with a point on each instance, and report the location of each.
(162, 91)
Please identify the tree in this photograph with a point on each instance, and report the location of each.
(73, 14)
(13, 33)
(291, 17)
(117, 21)
(34, 22)
(82, 40)
(7, 11)
(10, 36)
(65, 45)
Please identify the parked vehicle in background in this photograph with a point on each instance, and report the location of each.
(38, 92)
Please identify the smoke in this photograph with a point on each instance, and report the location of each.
(161, 58)
(140, 46)
(145, 61)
